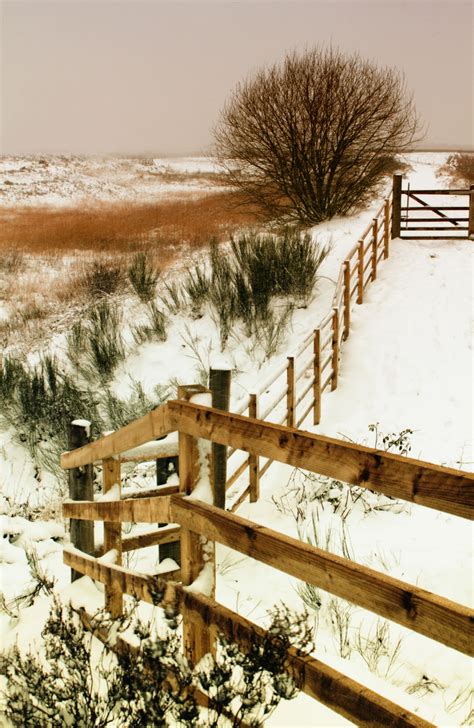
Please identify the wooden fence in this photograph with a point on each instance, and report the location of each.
(294, 392)
(199, 525)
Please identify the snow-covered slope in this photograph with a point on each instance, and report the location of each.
(406, 364)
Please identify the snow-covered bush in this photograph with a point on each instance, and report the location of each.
(154, 329)
(151, 683)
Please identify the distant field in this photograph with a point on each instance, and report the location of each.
(123, 227)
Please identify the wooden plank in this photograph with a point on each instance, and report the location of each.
(431, 219)
(151, 589)
(436, 192)
(237, 473)
(433, 237)
(150, 492)
(470, 223)
(219, 384)
(254, 487)
(290, 395)
(81, 486)
(418, 609)
(386, 229)
(242, 497)
(304, 415)
(360, 276)
(305, 391)
(340, 693)
(434, 486)
(317, 378)
(335, 349)
(196, 552)
(152, 425)
(347, 299)
(112, 536)
(396, 205)
(375, 234)
(428, 207)
(140, 510)
(151, 538)
(433, 227)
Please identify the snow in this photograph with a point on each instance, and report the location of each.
(69, 180)
(407, 364)
(112, 495)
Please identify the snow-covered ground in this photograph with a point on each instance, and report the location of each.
(70, 180)
(406, 364)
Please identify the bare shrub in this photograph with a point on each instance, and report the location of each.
(460, 167)
(313, 137)
(101, 278)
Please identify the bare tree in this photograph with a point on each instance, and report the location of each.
(312, 137)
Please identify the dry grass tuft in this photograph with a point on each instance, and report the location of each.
(460, 167)
(165, 227)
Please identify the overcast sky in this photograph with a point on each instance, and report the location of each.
(150, 76)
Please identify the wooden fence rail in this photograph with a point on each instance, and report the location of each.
(199, 525)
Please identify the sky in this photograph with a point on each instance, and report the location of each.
(150, 76)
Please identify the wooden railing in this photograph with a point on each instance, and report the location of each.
(190, 516)
(294, 392)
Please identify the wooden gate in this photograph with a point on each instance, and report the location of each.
(419, 214)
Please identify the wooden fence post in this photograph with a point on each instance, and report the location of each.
(335, 348)
(386, 228)
(347, 298)
(375, 235)
(396, 205)
(80, 488)
(290, 395)
(317, 378)
(254, 459)
(219, 384)
(112, 536)
(195, 554)
(470, 225)
(360, 273)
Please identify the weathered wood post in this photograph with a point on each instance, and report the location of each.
(335, 348)
(360, 273)
(113, 535)
(317, 377)
(470, 225)
(347, 298)
(254, 459)
(219, 384)
(80, 488)
(375, 235)
(386, 228)
(196, 553)
(396, 205)
(290, 395)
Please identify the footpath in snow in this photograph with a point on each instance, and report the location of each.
(408, 360)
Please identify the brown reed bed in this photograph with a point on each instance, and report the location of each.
(123, 228)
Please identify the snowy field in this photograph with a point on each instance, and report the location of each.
(69, 180)
(407, 365)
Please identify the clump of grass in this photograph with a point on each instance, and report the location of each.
(96, 346)
(143, 276)
(197, 286)
(155, 327)
(105, 338)
(101, 278)
(11, 263)
(119, 412)
(39, 403)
